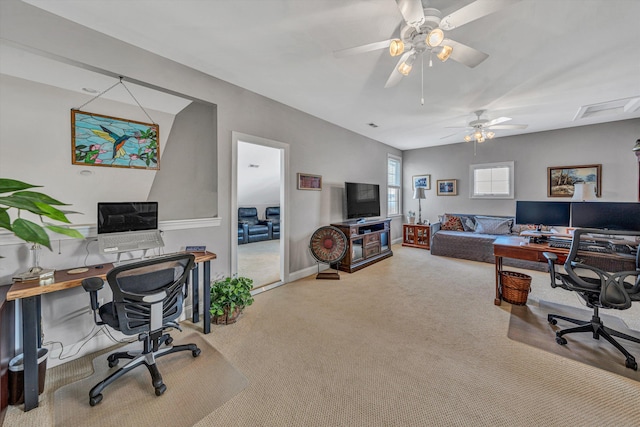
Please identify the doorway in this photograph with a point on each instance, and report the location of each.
(259, 183)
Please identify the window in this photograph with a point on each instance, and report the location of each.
(394, 185)
(491, 181)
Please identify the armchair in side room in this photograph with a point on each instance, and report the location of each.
(273, 214)
(256, 229)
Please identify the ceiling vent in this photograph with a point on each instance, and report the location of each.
(620, 106)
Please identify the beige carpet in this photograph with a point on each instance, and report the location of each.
(195, 387)
(260, 261)
(413, 340)
(528, 324)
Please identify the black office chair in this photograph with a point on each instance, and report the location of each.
(602, 281)
(147, 299)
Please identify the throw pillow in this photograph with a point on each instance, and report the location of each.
(453, 223)
(468, 223)
(493, 225)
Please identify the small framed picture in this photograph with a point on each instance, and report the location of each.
(423, 181)
(447, 187)
(309, 182)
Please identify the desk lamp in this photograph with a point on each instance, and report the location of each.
(418, 193)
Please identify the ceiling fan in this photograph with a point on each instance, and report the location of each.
(423, 32)
(483, 129)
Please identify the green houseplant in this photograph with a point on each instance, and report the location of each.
(229, 296)
(16, 195)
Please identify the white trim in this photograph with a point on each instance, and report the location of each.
(90, 230)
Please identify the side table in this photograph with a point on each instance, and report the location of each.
(416, 235)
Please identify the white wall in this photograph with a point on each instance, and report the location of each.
(258, 187)
(608, 144)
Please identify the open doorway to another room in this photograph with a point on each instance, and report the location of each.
(260, 204)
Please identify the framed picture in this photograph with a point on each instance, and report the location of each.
(309, 182)
(561, 179)
(447, 187)
(423, 181)
(98, 140)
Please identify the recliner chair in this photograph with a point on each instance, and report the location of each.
(599, 281)
(147, 300)
(273, 214)
(258, 230)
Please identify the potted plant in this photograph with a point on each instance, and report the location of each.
(229, 296)
(15, 195)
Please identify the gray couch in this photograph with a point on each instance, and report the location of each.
(474, 243)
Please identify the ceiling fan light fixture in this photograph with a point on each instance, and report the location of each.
(405, 67)
(435, 37)
(396, 47)
(481, 140)
(477, 134)
(491, 134)
(468, 138)
(445, 53)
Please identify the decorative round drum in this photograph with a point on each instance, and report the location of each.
(328, 244)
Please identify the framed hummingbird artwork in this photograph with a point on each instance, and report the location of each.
(98, 140)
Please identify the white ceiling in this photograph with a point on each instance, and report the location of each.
(547, 59)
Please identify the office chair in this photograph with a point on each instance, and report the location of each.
(147, 299)
(601, 280)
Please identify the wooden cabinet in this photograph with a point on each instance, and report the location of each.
(367, 242)
(416, 235)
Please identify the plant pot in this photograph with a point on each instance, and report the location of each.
(227, 318)
(412, 219)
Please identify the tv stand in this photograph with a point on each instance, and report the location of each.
(368, 241)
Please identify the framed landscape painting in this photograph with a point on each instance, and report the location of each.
(423, 181)
(447, 187)
(98, 140)
(561, 179)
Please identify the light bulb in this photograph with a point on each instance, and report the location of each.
(435, 37)
(396, 47)
(477, 134)
(481, 139)
(467, 138)
(490, 134)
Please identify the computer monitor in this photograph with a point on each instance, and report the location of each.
(543, 213)
(118, 217)
(606, 215)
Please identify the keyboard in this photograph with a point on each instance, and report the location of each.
(130, 241)
(566, 244)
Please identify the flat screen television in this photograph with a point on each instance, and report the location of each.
(118, 217)
(606, 215)
(543, 213)
(362, 200)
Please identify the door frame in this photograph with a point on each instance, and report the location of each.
(284, 205)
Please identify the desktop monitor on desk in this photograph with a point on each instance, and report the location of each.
(543, 213)
(128, 226)
(606, 215)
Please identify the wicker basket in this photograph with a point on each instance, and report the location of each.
(515, 287)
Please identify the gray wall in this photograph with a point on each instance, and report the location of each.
(315, 146)
(608, 144)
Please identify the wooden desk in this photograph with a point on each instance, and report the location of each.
(29, 293)
(519, 248)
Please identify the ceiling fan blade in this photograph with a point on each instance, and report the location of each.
(497, 121)
(453, 134)
(412, 12)
(464, 54)
(396, 75)
(471, 12)
(506, 127)
(362, 49)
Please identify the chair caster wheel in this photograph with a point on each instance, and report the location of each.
(113, 361)
(551, 320)
(169, 341)
(93, 401)
(160, 390)
(196, 352)
(631, 364)
(561, 340)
